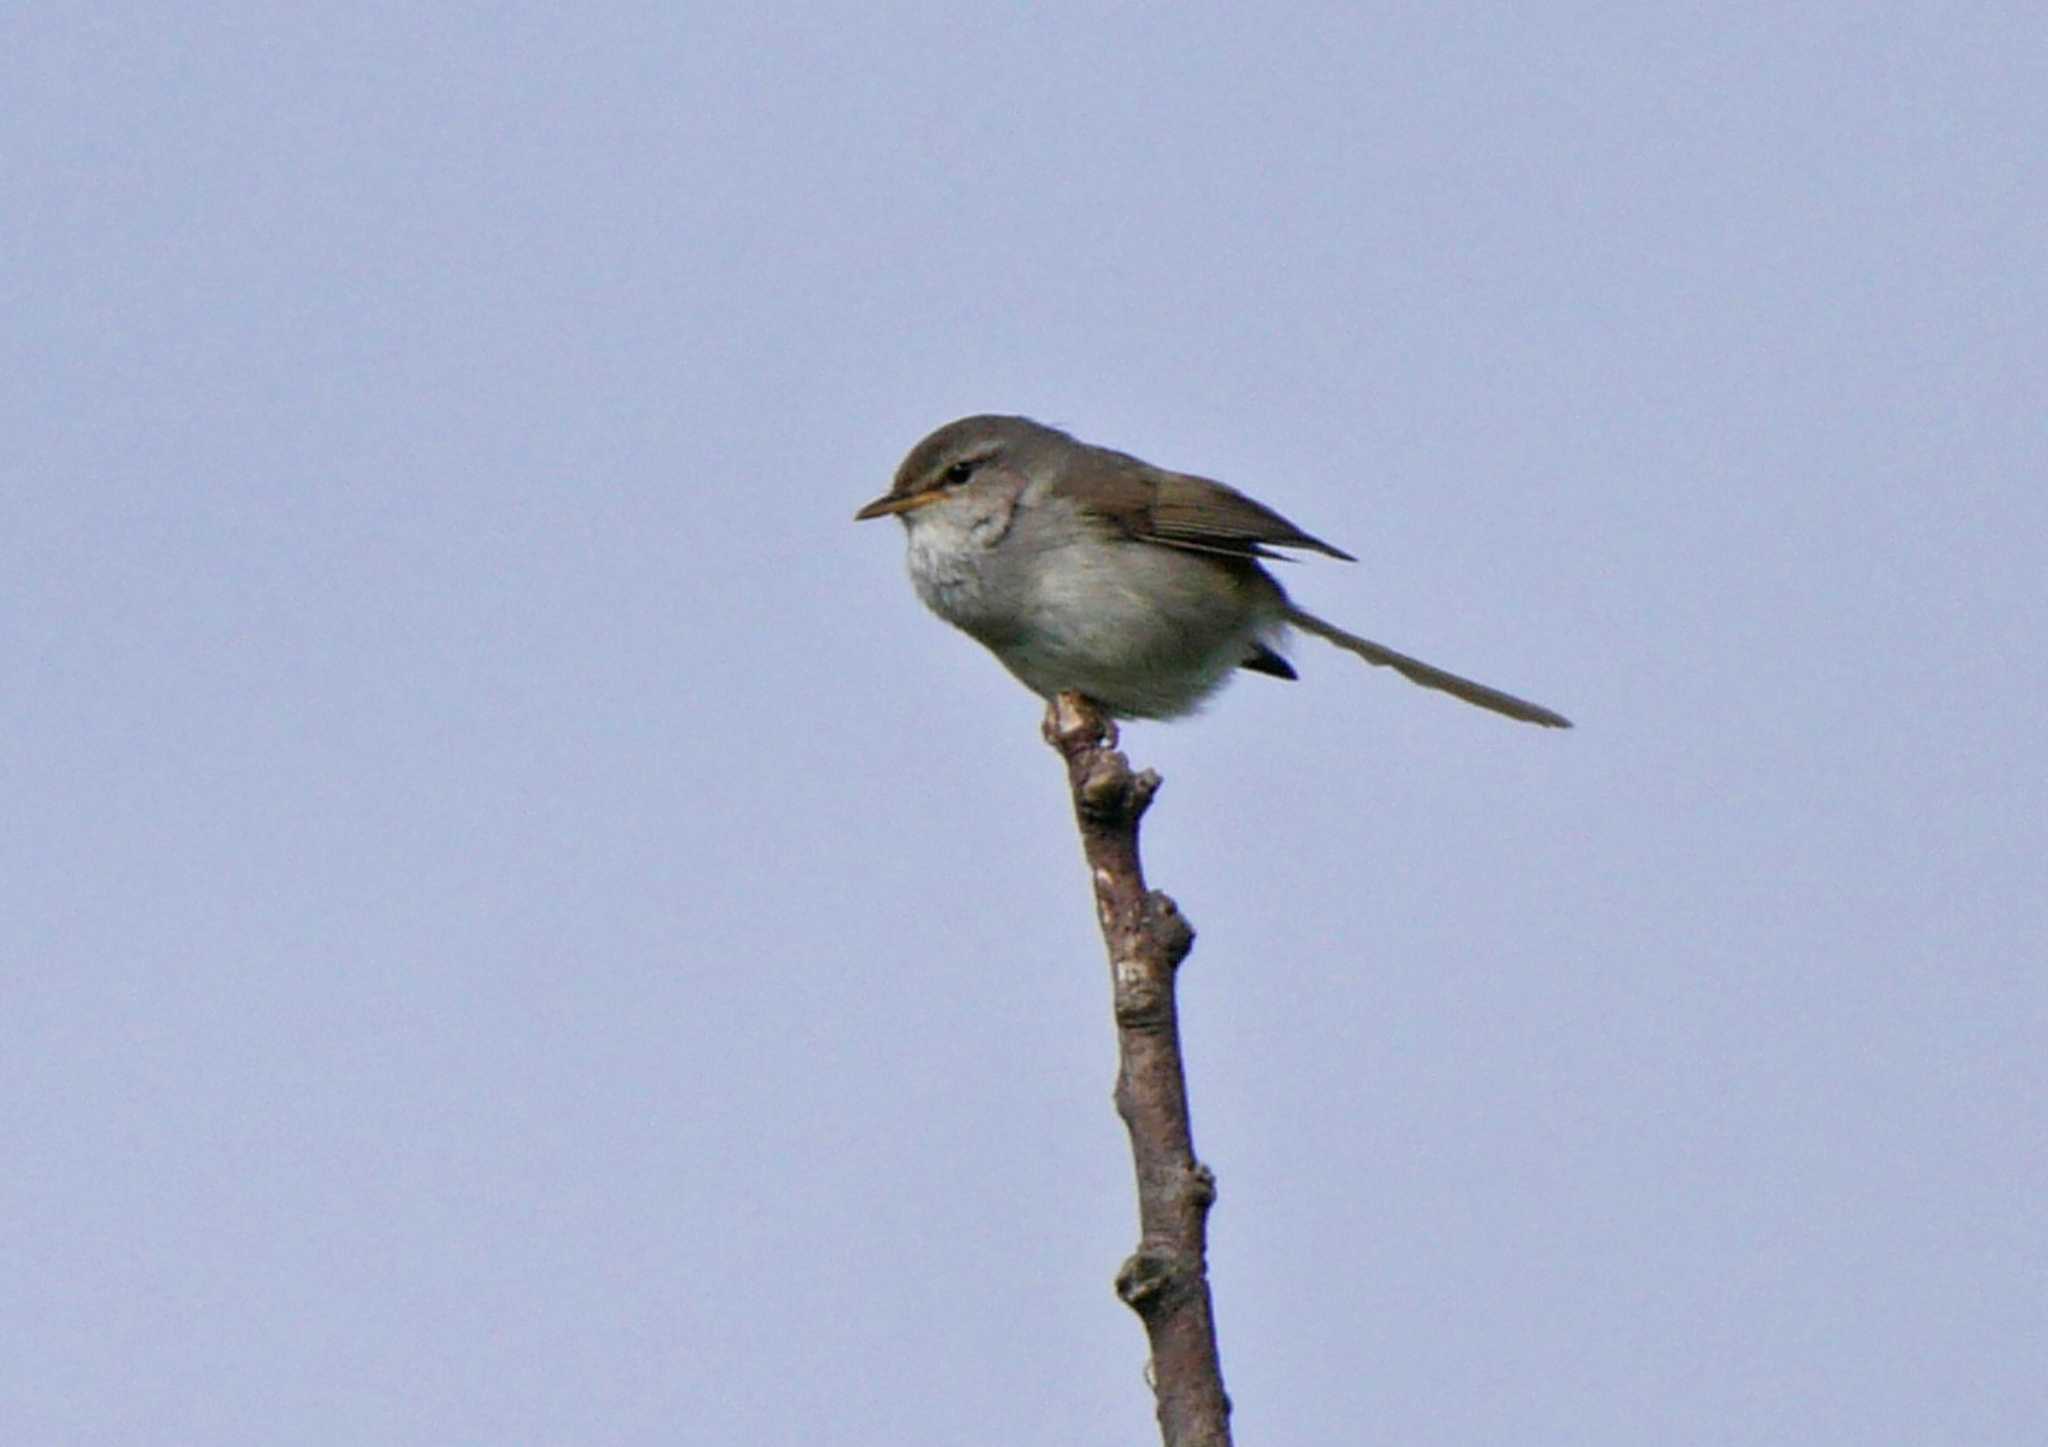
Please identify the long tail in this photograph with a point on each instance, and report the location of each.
(1417, 671)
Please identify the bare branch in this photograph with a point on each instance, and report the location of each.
(1166, 1280)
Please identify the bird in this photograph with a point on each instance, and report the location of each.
(1087, 570)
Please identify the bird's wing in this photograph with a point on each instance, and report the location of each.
(1178, 510)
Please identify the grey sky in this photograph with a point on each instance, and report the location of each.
(516, 927)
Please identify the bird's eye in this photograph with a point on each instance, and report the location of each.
(958, 473)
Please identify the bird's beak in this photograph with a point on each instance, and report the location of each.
(893, 502)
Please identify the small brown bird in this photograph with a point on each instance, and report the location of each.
(1088, 570)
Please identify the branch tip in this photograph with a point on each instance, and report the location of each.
(1073, 722)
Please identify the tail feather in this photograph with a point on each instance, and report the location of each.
(1416, 671)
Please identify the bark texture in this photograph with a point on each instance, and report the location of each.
(1166, 1280)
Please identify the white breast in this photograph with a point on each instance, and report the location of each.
(1066, 604)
